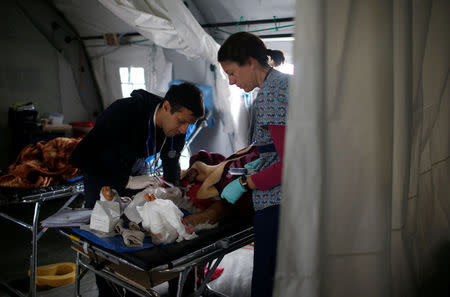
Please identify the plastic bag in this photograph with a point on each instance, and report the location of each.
(138, 200)
(168, 193)
(105, 216)
(162, 218)
(176, 196)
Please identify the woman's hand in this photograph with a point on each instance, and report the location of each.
(254, 164)
(233, 191)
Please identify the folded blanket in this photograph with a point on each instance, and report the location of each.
(132, 237)
(206, 178)
(215, 177)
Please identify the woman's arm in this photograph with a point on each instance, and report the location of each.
(272, 175)
(267, 178)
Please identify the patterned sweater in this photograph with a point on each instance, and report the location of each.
(270, 108)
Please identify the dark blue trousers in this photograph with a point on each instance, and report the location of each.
(265, 224)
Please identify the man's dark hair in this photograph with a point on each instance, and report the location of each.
(188, 96)
(240, 46)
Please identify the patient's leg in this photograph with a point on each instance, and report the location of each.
(221, 209)
(213, 214)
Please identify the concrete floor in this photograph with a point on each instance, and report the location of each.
(53, 247)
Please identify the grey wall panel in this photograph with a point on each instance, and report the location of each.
(28, 71)
(198, 71)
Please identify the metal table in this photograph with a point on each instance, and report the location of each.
(141, 270)
(11, 196)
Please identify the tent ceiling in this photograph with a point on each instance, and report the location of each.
(90, 18)
(219, 11)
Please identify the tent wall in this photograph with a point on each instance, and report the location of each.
(198, 71)
(38, 66)
(139, 51)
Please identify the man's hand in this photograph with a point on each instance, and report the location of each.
(142, 181)
(233, 191)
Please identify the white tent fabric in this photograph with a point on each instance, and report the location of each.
(169, 24)
(366, 179)
(106, 65)
(106, 60)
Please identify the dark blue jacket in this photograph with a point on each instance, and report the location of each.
(118, 139)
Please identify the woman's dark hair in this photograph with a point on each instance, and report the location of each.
(240, 46)
(188, 96)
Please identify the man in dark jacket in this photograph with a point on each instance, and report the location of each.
(129, 131)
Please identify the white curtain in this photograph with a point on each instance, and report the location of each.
(366, 182)
(169, 24)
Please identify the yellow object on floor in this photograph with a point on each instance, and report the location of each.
(55, 275)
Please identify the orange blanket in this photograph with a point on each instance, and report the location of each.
(42, 164)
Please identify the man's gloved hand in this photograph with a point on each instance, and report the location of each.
(233, 191)
(254, 164)
(142, 181)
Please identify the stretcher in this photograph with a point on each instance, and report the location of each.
(14, 196)
(139, 271)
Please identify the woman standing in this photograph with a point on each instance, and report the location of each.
(245, 59)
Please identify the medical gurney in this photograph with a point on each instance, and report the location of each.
(139, 271)
(16, 197)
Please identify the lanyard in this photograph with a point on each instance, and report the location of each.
(155, 157)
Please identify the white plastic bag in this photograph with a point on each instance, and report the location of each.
(105, 216)
(162, 218)
(176, 196)
(138, 200)
(173, 193)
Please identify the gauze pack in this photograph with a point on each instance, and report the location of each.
(105, 216)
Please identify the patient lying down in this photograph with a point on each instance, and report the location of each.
(159, 218)
(208, 176)
(201, 184)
